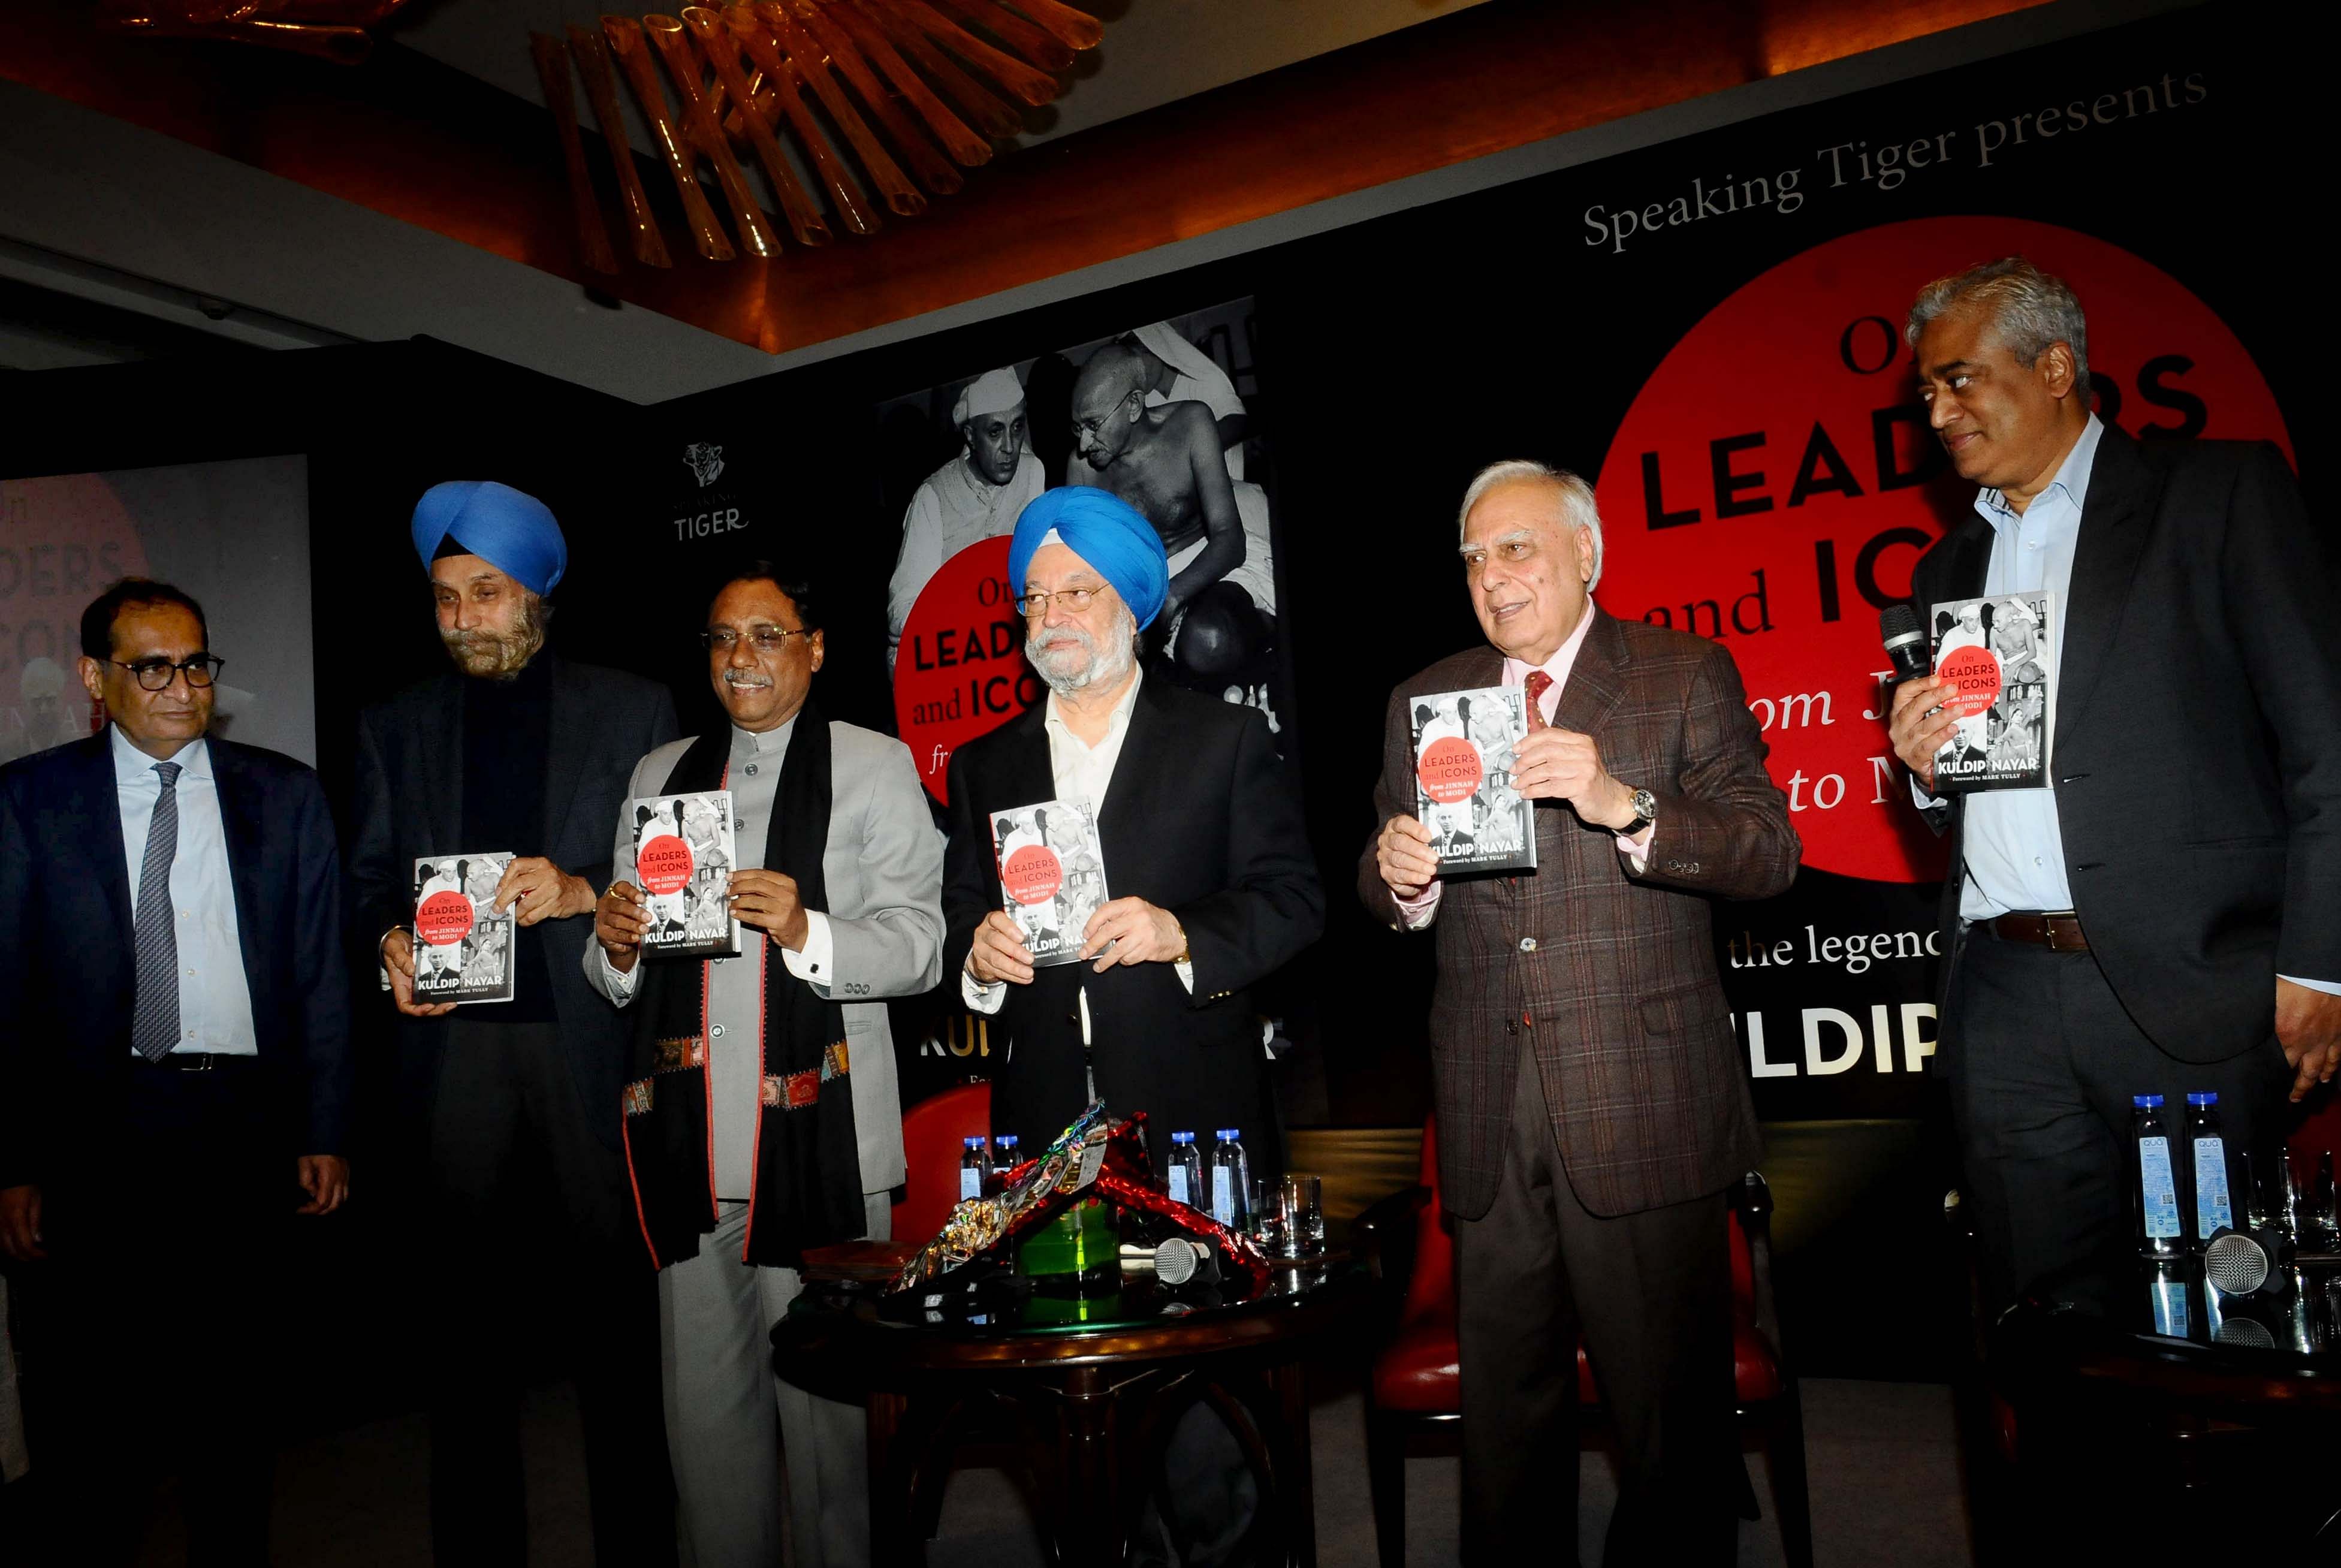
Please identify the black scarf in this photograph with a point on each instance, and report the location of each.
(808, 1168)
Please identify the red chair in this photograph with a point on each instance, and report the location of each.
(1412, 1396)
(932, 1130)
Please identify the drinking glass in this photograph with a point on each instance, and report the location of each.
(1300, 1201)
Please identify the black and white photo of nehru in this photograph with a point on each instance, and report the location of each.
(1165, 416)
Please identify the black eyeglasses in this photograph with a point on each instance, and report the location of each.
(155, 675)
(767, 639)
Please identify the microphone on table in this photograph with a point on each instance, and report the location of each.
(1176, 1261)
(1905, 640)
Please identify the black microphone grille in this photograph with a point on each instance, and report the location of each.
(1899, 621)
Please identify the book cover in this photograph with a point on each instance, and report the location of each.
(1052, 874)
(463, 947)
(1997, 651)
(1463, 744)
(683, 856)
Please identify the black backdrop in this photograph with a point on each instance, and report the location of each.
(1395, 357)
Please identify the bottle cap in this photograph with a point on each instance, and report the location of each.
(1228, 1134)
(2146, 1101)
(1009, 1140)
(972, 1143)
(1182, 1137)
(2202, 1097)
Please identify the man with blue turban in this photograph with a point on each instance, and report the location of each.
(1204, 851)
(514, 1110)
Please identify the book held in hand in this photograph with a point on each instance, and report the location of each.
(1996, 652)
(1052, 875)
(683, 856)
(1463, 745)
(463, 947)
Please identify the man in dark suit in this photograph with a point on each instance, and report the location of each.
(175, 1079)
(2163, 918)
(1206, 853)
(1202, 842)
(517, 751)
(1592, 1103)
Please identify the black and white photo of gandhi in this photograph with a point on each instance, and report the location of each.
(1163, 416)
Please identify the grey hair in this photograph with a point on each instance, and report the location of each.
(1577, 505)
(2030, 309)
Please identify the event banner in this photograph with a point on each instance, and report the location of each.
(235, 535)
(1158, 416)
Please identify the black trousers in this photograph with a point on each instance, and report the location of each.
(153, 1330)
(1650, 1295)
(532, 1241)
(2040, 1060)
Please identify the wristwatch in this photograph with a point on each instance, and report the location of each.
(1646, 812)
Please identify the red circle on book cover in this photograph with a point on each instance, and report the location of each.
(1450, 770)
(1032, 874)
(1975, 675)
(443, 919)
(1775, 481)
(663, 864)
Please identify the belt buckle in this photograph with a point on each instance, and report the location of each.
(196, 1062)
(2048, 927)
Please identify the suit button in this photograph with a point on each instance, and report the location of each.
(752, 770)
(717, 1032)
(1692, 868)
(1528, 944)
(1073, 1018)
(1511, 1025)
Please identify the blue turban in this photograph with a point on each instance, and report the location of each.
(1104, 530)
(514, 532)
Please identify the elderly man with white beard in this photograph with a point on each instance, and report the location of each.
(1206, 853)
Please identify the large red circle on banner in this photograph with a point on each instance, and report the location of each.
(1775, 481)
(62, 540)
(960, 672)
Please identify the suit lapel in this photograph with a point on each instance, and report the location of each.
(1141, 760)
(2105, 558)
(1969, 565)
(240, 825)
(1596, 681)
(441, 766)
(1026, 775)
(102, 811)
(566, 747)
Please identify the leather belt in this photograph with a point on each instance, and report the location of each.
(2057, 933)
(197, 1061)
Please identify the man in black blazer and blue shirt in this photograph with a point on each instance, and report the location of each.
(2166, 917)
(175, 1081)
(516, 750)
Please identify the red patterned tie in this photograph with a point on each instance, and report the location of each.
(1538, 684)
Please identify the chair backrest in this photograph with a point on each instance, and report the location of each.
(932, 1133)
(1430, 1288)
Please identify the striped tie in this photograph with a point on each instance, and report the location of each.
(154, 1024)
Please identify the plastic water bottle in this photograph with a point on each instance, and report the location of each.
(2161, 1229)
(1186, 1169)
(974, 1165)
(1231, 1180)
(1005, 1159)
(2166, 1294)
(2213, 1207)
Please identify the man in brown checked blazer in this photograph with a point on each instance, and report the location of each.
(1592, 1105)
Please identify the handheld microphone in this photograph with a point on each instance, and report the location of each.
(1180, 1260)
(1905, 640)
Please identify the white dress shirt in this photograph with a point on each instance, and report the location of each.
(1081, 773)
(215, 996)
(1418, 910)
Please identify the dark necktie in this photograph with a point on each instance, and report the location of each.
(1537, 683)
(154, 1024)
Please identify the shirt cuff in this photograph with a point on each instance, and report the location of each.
(621, 983)
(1415, 913)
(1186, 976)
(815, 963)
(2330, 987)
(1921, 799)
(1637, 848)
(980, 997)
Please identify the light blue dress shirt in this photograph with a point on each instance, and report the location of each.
(214, 998)
(2014, 849)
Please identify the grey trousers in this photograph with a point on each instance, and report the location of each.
(729, 1422)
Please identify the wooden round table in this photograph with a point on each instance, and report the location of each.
(1092, 1398)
